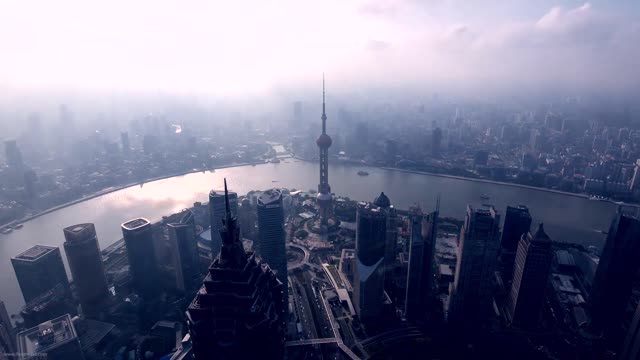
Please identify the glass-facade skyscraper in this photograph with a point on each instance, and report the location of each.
(271, 234)
(138, 238)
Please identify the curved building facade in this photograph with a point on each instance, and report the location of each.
(271, 234)
(85, 262)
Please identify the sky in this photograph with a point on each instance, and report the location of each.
(251, 46)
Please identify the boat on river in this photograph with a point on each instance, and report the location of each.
(363, 173)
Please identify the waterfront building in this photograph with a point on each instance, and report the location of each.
(56, 339)
(271, 234)
(39, 270)
(530, 278)
(85, 262)
(184, 250)
(238, 311)
(475, 266)
(324, 190)
(368, 287)
(517, 221)
(138, 238)
(217, 214)
(615, 277)
(422, 237)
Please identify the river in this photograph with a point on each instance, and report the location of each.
(566, 218)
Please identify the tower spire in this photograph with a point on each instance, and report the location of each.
(226, 201)
(324, 115)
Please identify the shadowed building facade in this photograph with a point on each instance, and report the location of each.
(271, 235)
(517, 222)
(138, 238)
(39, 270)
(217, 214)
(184, 248)
(368, 287)
(85, 261)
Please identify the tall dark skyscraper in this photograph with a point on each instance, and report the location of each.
(368, 287)
(124, 139)
(517, 221)
(422, 236)
(476, 263)
(238, 312)
(138, 238)
(7, 333)
(271, 235)
(13, 154)
(324, 190)
(39, 270)
(384, 203)
(615, 276)
(216, 215)
(184, 248)
(531, 274)
(436, 142)
(83, 255)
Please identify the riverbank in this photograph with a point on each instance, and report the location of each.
(116, 188)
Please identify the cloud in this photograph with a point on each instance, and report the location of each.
(377, 45)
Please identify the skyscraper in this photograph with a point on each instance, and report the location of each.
(530, 277)
(384, 203)
(436, 142)
(271, 235)
(216, 215)
(517, 221)
(615, 275)
(184, 248)
(7, 333)
(324, 190)
(475, 266)
(422, 236)
(631, 345)
(83, 254)
(238, 312)
(368, 287)
(13, 154)
(39, 270)
(138, 238)
(124, 139)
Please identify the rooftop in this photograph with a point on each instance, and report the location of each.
(269, 197)
(47, 336)
(79, 231)
(35, 253)
(135, 224)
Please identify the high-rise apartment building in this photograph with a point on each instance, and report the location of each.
(85, 261)
(530, 278)
(39, 270)
(138, 238)
(368, 287)
(472, 289)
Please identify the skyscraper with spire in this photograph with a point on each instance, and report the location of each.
(324, 190)
(238, 311)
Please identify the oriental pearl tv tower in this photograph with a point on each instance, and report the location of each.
(324, 190)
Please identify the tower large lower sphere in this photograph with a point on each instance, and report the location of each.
(324, 190)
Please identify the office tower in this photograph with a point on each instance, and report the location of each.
(324, 190)
(138, 238)
(56, 339)
(7, 334)
(85, 261)
(216, 215)
(436, 142)
(124, 139)
(238, 312)
(517, 221)
(382, 201)
(368, 287)
(631, 345)
(615, 276)
(530, 277)
(184, 248)
(12, 154)
(39, 270)
(50, 304)
(271, 235)
(422, 238)
(475, 266)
